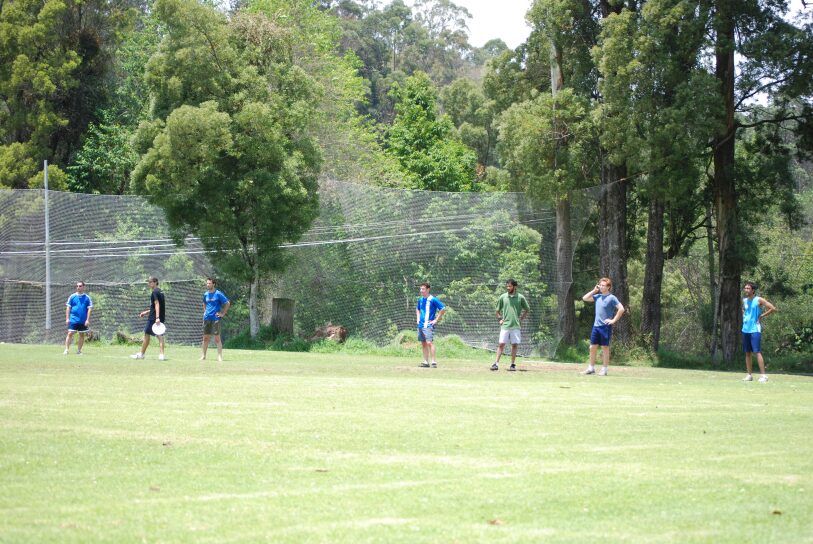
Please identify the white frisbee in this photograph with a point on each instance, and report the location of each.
(159, 329)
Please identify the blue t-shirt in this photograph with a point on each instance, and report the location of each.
(751, 310)
(605, 308)
(428, 307)
(79, 305)
(213, 301)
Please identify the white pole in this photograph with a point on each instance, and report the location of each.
(47, 256)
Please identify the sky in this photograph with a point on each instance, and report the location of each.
(490, 19)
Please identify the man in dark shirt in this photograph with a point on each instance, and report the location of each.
(156, 314)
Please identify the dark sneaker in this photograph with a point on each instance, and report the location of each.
(424, 365)
(512, 368)
(495, 366)
(434, 364)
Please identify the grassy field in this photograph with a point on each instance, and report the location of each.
(280, 447)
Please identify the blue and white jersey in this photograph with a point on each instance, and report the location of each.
(428, 307)
(79, 305)
(214, 302)
(751, 310)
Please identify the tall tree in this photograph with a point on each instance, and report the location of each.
(227, 152)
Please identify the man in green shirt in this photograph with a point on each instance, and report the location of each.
(512, 308)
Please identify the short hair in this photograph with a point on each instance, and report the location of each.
(80, 282)
(426, 284)
(153, 279)
(753, 285)
(513, 282)
(211, 279)
(608, 280)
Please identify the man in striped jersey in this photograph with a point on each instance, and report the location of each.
(427, 313)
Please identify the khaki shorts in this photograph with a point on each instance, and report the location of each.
(211, 328)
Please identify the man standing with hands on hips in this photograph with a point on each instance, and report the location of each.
(606, 305)
(215, 306)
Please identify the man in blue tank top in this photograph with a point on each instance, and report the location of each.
(608, 311)
(752, 315)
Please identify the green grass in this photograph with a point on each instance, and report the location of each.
(309, 447)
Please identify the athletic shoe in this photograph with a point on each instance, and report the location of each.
(590, 370)
(161, 357)
(748, 378)
(202, 358)
(763, 379)
(512, 368)
(495, 366)
(65, 352)
(137, 356)
(603, 371)
(434, 364)
(78, 352)
(219, 358)
(424, 365)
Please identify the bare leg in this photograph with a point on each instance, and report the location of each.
(760, 362)
(68, 340)
(425, 347)
(432, 351)
(204, 346)
(749, 365)
(593, 354)
(161, 344)
(81, 341)
(500, 350)
(219, 345)
(514, 348)
(145, 344)
(605, 353)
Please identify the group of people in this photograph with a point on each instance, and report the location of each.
(512, 308)
(79, 307)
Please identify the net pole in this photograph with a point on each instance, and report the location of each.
(47, 254)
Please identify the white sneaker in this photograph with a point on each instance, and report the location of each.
(201, 358)
(763, 378)
(424, 365)
(219, 358)
(161, 357)
(65, 352)
(748, 378)
(138, 355)
(603, 371)
(434, 364)
(590, 370)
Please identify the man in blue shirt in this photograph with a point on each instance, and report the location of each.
(77, 317)
(427, 314)
(752, 315)
(608, 311)
(215, 306)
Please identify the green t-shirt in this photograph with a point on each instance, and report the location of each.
(510, 307)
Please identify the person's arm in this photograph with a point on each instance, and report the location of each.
(437, 317)
(619, 311)
(157, 310)
(526, 308)
(588, 297)
(765, 304)
(68, 312)
(223, 310)
(499, 312)
(417, 316)
(87, 321)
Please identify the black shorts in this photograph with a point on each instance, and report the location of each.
(148, 328)
(77, 327)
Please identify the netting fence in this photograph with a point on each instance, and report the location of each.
(359, 266)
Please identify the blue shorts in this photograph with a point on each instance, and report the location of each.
(77, 327)
(425, 334)
(752, 342)
(600, 336)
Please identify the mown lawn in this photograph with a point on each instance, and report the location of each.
(292, 447)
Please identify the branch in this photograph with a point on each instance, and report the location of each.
(759, 90)
(777, 120)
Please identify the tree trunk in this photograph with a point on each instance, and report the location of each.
(713, 294)
(613, 241)
(282, 316)
(653, 276)
(253, 315)
(564, 273)
(725, 195)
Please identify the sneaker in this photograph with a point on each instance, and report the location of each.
(748, 378)
(219, 358)
(434, 364)
(512, 368)
(590, 370)
(161, 357)
(603, 371)
(202, 358)
(424, 365)
(78, 352)
(763, 378)
(65, 352)
(137, 356)
(495, 366)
